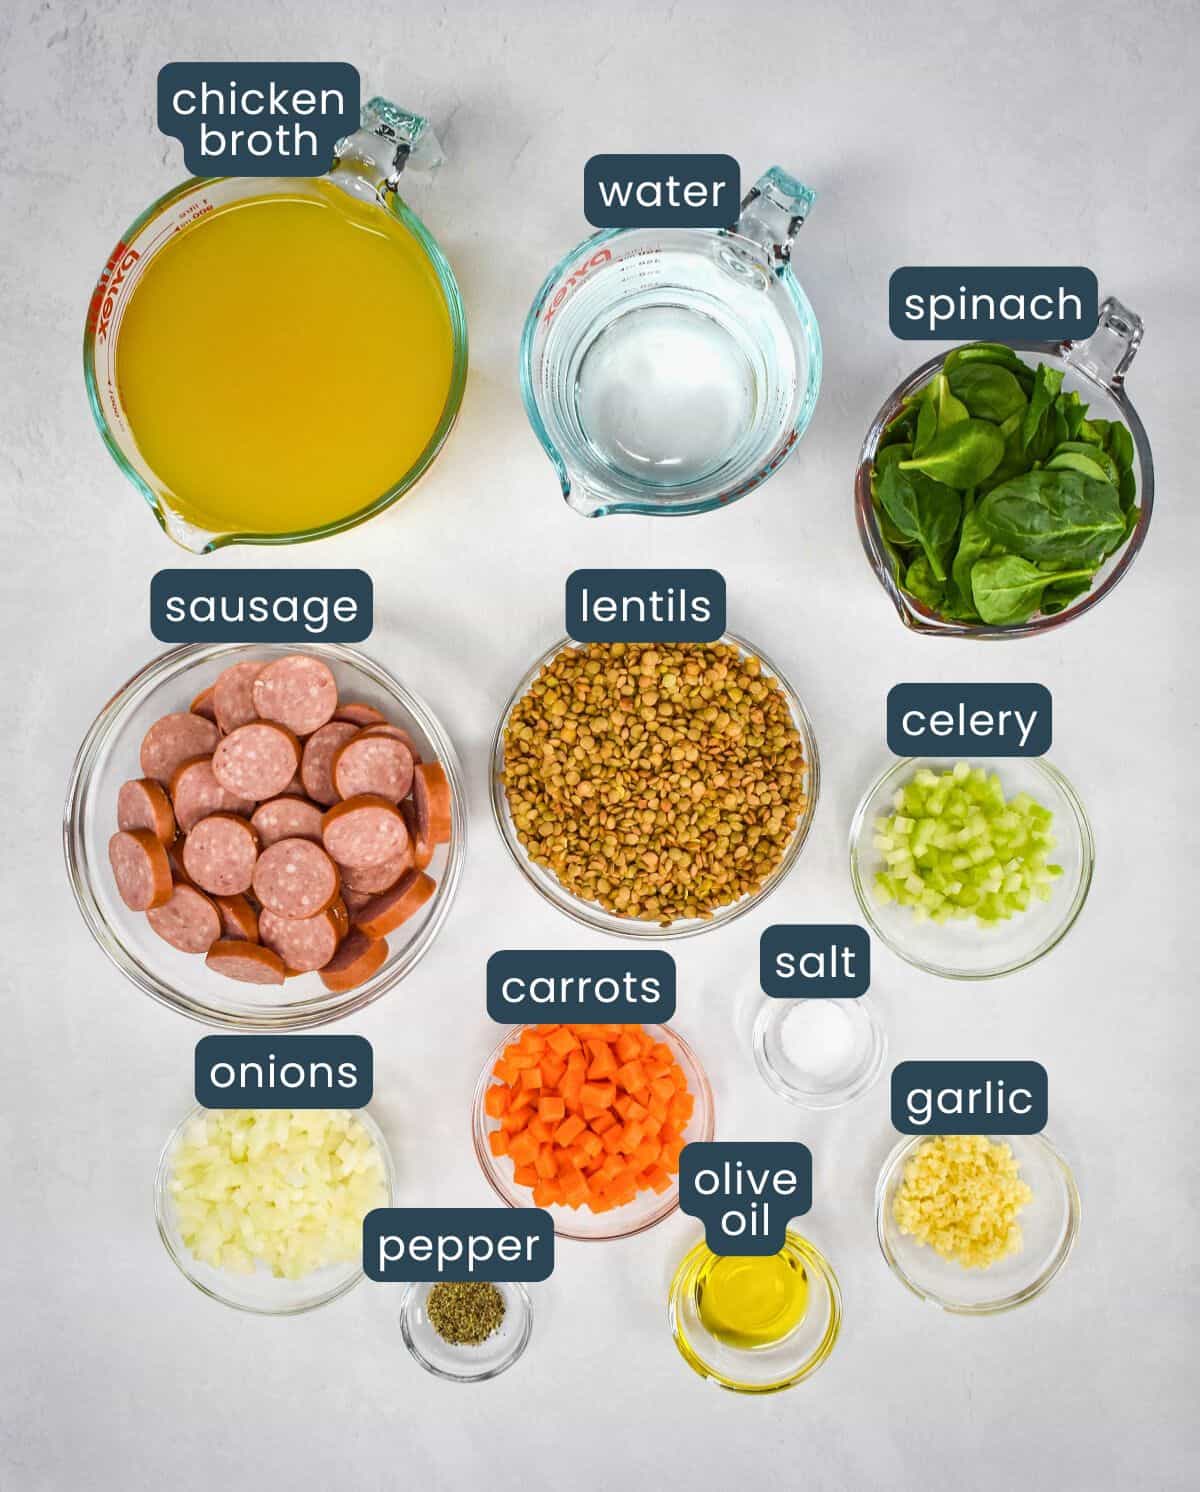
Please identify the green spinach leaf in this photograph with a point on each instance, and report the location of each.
(1047, 382)
(988, 391)
(923, 512)
(1056, 517)
(963, 455)
(1008, 589)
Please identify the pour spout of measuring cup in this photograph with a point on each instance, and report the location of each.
(389, 143)
(773, 212)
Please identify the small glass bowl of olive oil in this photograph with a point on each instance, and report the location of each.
(756, 1324)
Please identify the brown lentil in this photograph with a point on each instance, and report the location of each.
(662, 781)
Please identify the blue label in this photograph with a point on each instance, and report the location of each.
(538, 986)
(420, 1244)
(809, 960)
(284, 1072)
(956, 303)
(258, 118)
(261, 605)
(969, 720)
(662, 191)
(970, 1098)
(645, 605)
(745, 1192)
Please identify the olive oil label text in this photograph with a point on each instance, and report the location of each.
(662, 191)
(997, 304)
(969, 1098)
(813, 960)
(745, 1192)
(284, 1072)
(539, 986)
(645, 605)
(258, 118)
(969, 720)
(262, 605)
(419, 1244)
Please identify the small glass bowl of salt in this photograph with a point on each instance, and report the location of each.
(818, 1053)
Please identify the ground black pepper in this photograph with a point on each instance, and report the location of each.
(465, 1312)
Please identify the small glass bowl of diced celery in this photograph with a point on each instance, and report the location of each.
(972, 868)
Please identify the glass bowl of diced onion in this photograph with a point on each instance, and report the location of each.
(930, 882)
(221, 1268)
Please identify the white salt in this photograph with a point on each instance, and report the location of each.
(820, 1040)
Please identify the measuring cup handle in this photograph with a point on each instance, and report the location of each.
(773, 212)
(389, 141)
(1108, 352)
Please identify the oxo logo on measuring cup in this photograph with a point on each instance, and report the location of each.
(601, 256)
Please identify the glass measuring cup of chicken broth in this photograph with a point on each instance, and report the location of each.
(272, 359)
(673, 370)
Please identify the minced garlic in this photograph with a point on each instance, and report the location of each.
(961, 1194)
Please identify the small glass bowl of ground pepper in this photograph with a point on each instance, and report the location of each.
(654, 790)
(466, 1331)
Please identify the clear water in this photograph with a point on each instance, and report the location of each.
(665, 394)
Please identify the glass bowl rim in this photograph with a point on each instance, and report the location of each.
(589, 914)
(668, 1203)
(179, 1256)
(913, 613)
(298, 1015)
(520, 1342)
(1087, 858)
(833, 1098)
(813, 1257)
(1062, 1169)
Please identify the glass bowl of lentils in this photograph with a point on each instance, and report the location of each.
(654, 790)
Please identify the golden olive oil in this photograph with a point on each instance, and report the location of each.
(752, 1302)
(285, 360)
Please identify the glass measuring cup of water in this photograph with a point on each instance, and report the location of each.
(674, 370)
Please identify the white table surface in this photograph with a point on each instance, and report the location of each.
(987, 133)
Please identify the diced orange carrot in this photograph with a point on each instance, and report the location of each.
(551, 1107)
(552, 1070)
(569, 1129)
(505, 1071)
(603, 1121)
(498, 1142)
(495, 1101)
(563, 1041)
(628, 1047)
(589, 1143)
(546, 1194)
(545, 1164)
(523, 1148)
(525, 1176)
(656, 1177)
(599, 1095)
(631, 1077)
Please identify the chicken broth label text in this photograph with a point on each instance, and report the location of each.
(745, 1192)
(549, 986)
(258, 118)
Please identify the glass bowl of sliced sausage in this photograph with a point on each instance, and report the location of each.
(265, 838)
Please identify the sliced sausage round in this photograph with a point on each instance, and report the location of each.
(373, 764)
(197, 793)
(355, 961)
(142, 804)
(373, 879)
(360, 715)
(316, 765)
(431, 799)
(140, 868)
(295, 878)
(303, 943)
(355, 901)
(257, 761)
(238, 918)
(189, 921)
(287, 818)
(172, 740)
(298, 691)
(220, 853)
(422, 845)
(233, 696)
(366, 830)
(249, 962)
(396, 733)
(203, 705)
(385, 913)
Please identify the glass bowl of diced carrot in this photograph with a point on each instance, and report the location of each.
(588, 1122)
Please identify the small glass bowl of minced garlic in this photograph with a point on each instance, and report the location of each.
(466, 1331)
(756, 1324)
